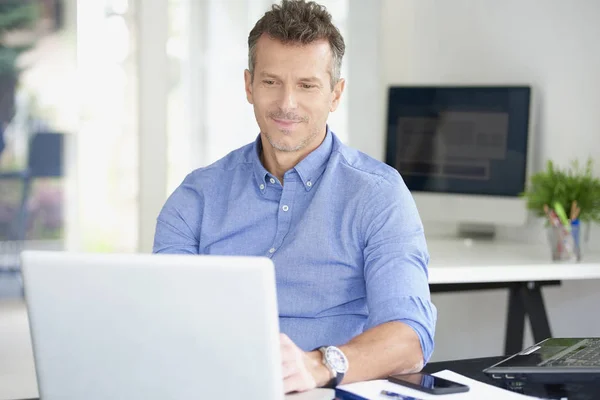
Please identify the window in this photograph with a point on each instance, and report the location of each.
(106, 166)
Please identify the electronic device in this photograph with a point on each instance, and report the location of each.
(428, 383)
(463, 151)
(554, 360)
(133, 326)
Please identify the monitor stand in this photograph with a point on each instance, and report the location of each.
(476, 231)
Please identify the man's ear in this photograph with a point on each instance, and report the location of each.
(338, 89)
(248, 84)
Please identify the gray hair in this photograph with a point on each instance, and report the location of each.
(298, 21)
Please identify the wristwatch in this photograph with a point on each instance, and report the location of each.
(337, 363)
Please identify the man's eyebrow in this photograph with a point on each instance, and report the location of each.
(268, 75)
(310, 79)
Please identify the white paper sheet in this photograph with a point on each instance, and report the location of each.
(477, 390)
(315, 394)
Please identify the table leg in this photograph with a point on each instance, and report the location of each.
(515, 321)
(525, 300)
(536, 310)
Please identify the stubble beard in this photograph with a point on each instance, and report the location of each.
(290, 149)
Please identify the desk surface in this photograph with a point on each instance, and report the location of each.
(451, 262)
(456, 261)
(473, 368)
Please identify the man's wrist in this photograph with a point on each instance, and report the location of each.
(318, 369)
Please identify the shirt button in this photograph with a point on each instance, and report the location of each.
(262, 187)
(272, 250)
(309, 183)
(285, 208)
(272, 180)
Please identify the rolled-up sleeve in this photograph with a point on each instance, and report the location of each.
(178, 224)
(396, 259)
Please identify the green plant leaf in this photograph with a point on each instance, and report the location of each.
(565, 186)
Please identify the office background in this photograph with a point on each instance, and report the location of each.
(146, 91)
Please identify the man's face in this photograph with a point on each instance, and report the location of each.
(291, 92)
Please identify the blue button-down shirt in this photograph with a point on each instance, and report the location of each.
(343, 232)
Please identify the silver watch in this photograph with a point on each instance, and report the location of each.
(337, 363)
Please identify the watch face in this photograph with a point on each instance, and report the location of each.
(336, 359)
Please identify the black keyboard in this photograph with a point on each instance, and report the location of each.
(589, 356)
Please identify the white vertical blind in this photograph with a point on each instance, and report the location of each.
(105, 204)
(153, 77)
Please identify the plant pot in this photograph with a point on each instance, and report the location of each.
(565, 245)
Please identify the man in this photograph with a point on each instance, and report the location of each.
(341, 228)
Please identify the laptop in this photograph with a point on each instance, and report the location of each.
(153, 326)
(553, 360)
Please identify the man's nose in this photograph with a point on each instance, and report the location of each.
(288, 98)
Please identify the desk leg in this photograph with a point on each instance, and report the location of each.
(515, 321)
(525, 299)
(535, 308)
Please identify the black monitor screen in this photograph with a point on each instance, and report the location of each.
(467, 140)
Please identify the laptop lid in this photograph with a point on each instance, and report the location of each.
(153, 326)
(554, 355)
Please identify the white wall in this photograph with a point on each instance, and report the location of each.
(550, 44)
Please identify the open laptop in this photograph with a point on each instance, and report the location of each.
(153, 326)
(554, 360)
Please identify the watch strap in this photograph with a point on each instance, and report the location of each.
(335, 381)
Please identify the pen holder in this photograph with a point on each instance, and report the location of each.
(564, 244)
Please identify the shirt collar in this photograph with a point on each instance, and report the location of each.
(312, 166)
(309, 169)
(260, 172)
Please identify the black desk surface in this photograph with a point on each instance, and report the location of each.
(472, 368)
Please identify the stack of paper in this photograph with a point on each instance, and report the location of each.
(315, 394)
(477, 390)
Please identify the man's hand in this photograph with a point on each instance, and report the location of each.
(301, 370)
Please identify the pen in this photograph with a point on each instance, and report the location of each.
(575, 210)
(398, 396)
(562, 215)
(575, 232)
(552, 217)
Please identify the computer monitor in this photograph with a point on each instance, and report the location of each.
(462, 151)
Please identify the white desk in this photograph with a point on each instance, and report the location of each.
(523, 269)
(454, 262)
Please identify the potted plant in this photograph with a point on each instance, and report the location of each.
(566, 197)
(17, 18)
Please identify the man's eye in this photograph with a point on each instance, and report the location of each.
(307, 86)
(269, 82)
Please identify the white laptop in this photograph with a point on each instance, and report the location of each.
(153, 326)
